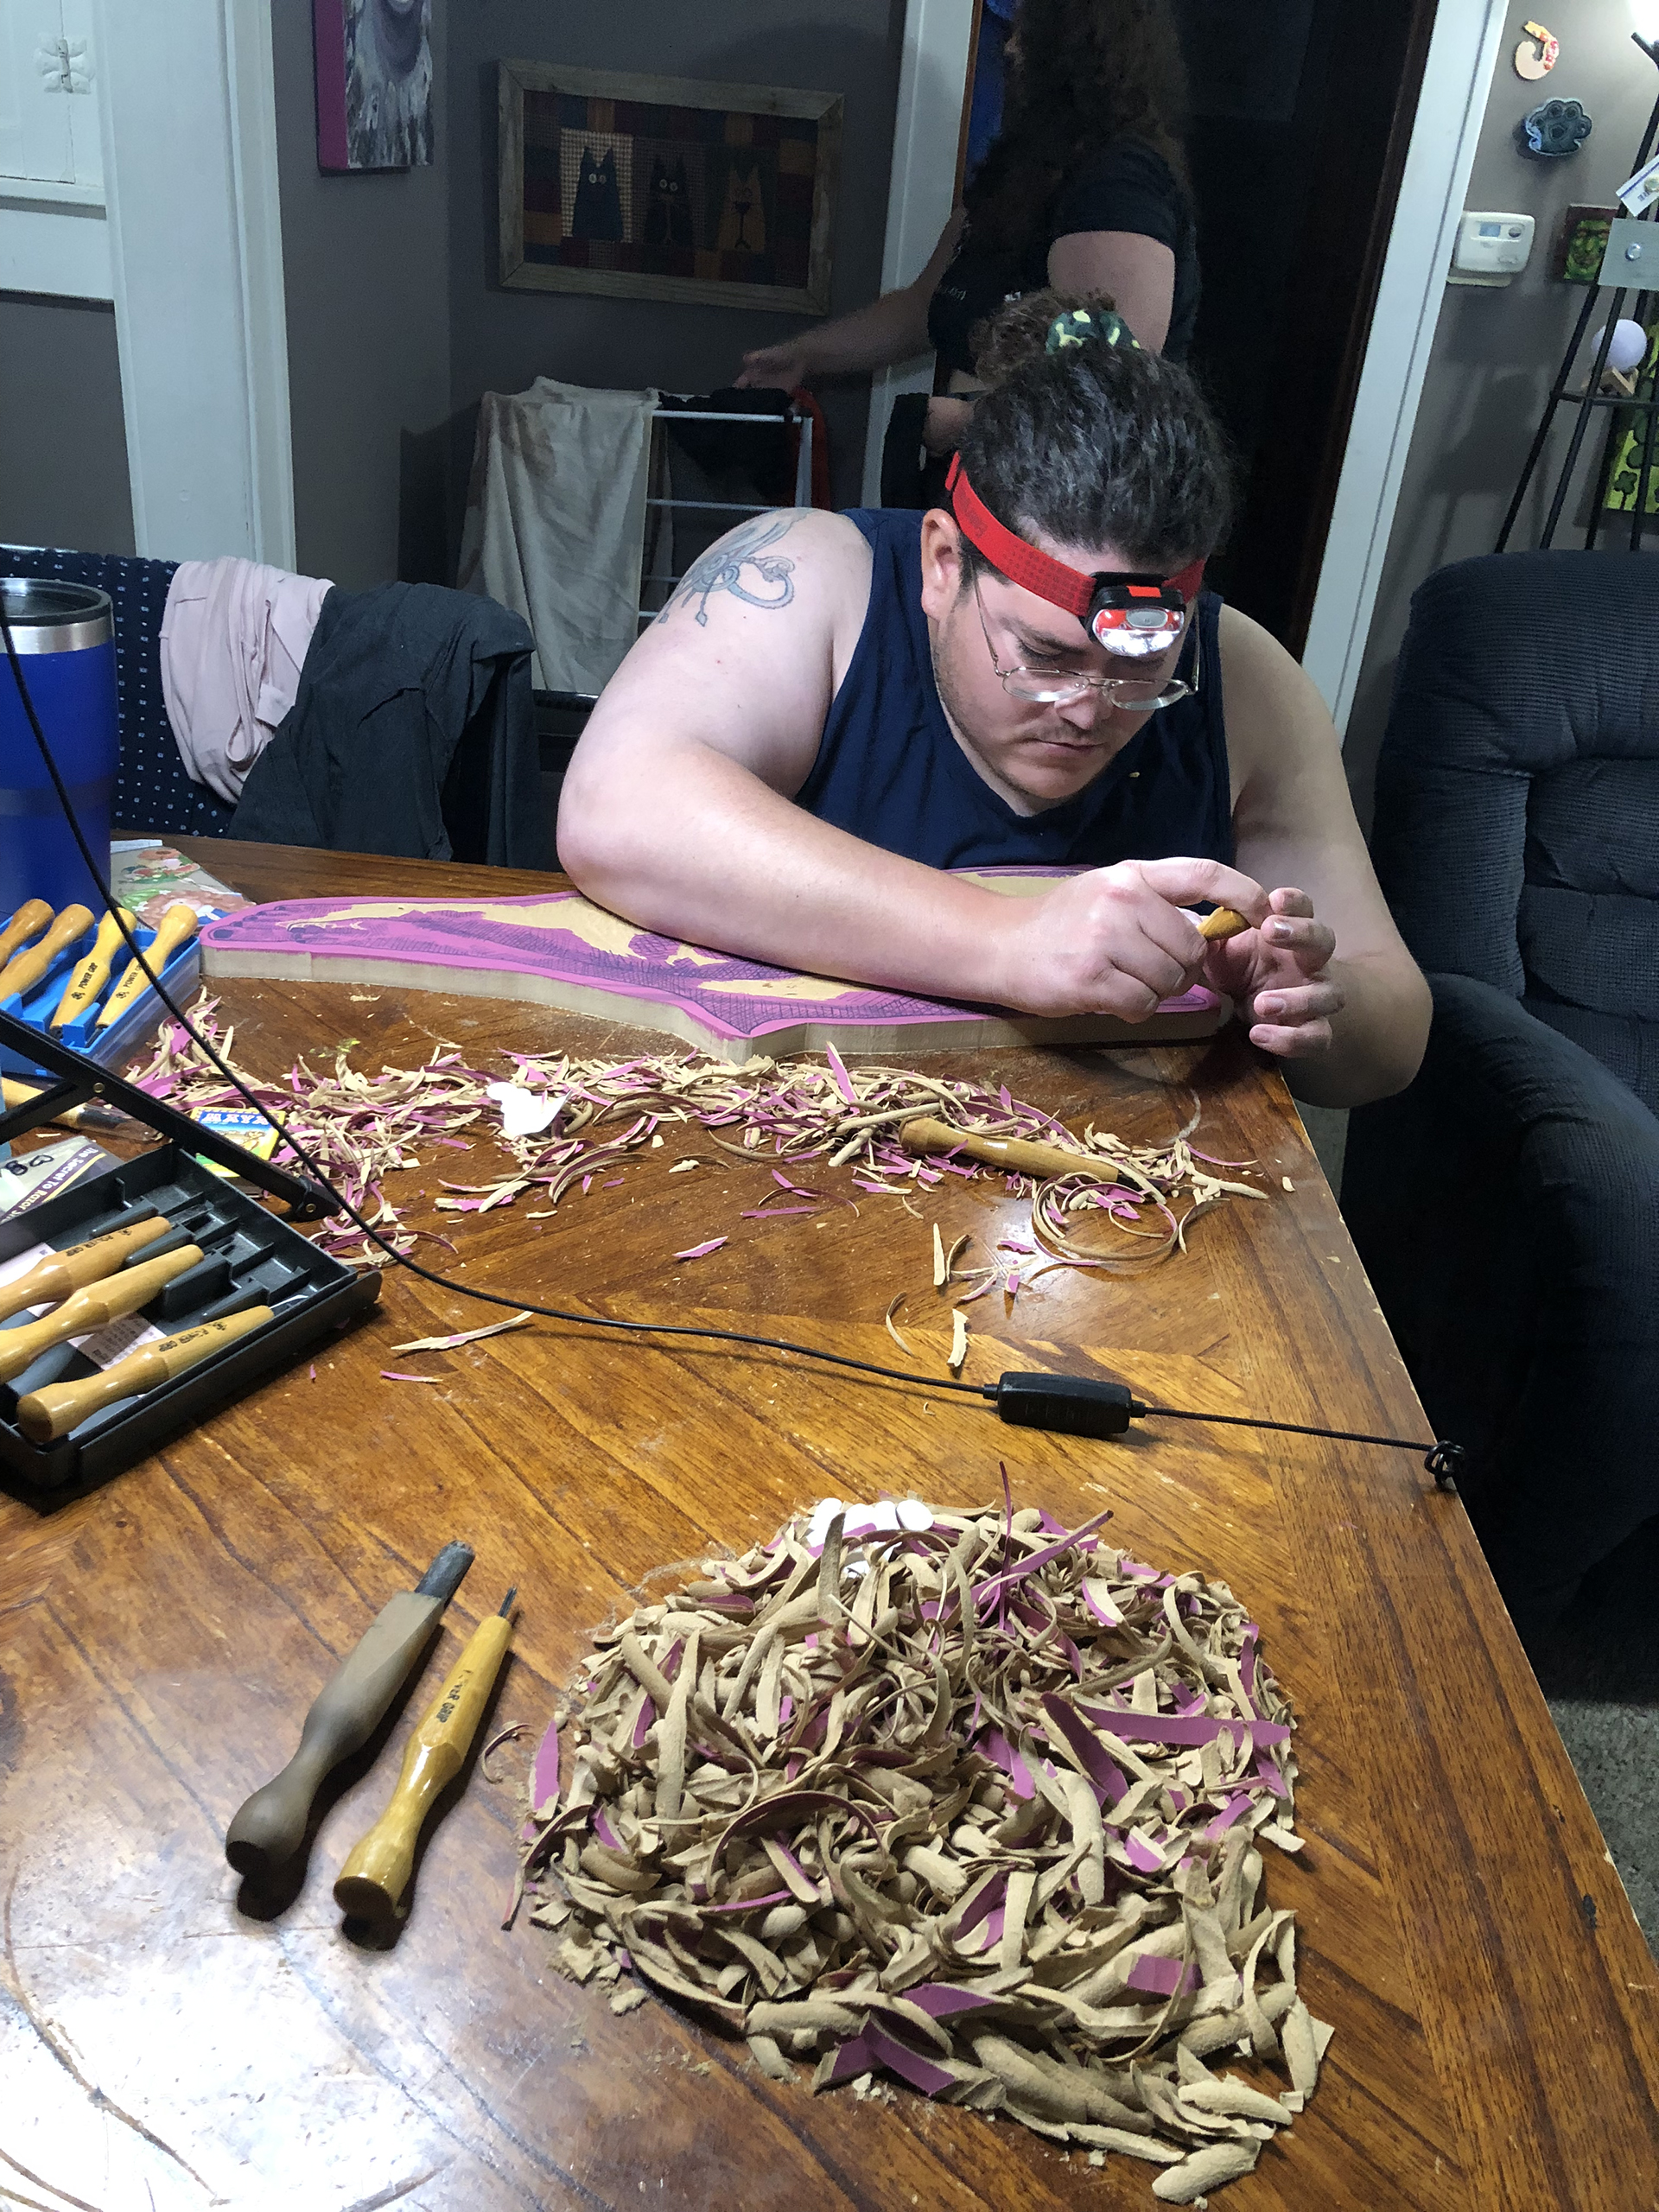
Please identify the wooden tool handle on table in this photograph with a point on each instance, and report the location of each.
(60, 1406)
(1019, 1155)
(1221, 923)
(270, 1825)
(93, 1114)
(77, 1265)
(91, 1309)
(372, 1881)
(179, 925)
(28, 921)
(26, 970)
(93, 972)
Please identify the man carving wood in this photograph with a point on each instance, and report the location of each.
(833, 709)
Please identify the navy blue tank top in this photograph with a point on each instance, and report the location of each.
(889, 771)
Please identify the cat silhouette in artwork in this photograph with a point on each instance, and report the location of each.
(743, 219)
(597, 210)
(668, 207)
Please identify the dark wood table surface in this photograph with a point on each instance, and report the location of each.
(1461, 1925)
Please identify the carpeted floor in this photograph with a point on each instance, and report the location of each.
(1599, 1669)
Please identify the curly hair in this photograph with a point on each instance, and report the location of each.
(1083, 75)
(1094, 445)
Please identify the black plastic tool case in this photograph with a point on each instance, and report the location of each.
(250, 1257)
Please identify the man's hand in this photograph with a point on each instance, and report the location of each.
(1115, 940)
(1276, 974)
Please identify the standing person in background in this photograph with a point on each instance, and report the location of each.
(1085, 188)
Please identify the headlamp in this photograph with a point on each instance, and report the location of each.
(1129, 612)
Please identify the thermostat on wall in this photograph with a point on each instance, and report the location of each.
(1490, 248)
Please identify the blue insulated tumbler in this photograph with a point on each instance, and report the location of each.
(64, 638)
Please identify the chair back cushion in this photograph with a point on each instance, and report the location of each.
(1516, 832)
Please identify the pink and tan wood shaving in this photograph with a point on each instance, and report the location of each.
(962, 1799)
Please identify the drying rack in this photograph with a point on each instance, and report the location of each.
(794, 418)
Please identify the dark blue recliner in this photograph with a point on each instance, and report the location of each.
(1507, 1204)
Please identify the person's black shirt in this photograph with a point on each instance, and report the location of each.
(1127, 186)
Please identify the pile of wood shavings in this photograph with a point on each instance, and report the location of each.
(602, 1115)
(962, 1798)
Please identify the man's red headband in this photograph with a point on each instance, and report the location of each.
(1126, 611)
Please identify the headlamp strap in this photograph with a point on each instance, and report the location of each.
(1024, 564)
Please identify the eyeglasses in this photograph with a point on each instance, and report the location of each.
(1058, 687)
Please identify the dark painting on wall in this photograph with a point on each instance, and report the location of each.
(374, 83)
(659, 187)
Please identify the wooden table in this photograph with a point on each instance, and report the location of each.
(1498, 2038)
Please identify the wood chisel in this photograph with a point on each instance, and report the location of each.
(53, 1411)
(1019, 1155)
(372, 1881)
(270, 1826)
(91, 1309)
(179, 925)
(20, 975)
(93, 972)
(28, 922)
(62, 1274)
(93, 1114)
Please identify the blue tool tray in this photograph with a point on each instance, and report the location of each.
(250, 1257)
(109, 1047)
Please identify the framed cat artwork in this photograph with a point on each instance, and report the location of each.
(664, 188)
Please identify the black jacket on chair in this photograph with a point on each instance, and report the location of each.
(1507, 1204)
(412, 733)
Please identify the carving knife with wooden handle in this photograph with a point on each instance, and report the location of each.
(53, 1411)
(373, 1879)
(179, 925)
(93, 1308)
(30, 918)
(21, 974)
(270, 1825)
(93, 972)
(64, 1273)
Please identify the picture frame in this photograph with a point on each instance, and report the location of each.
(374, 85)
(666, 187)
(1580, 242)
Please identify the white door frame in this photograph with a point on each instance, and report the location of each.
(932, 77)
(1457, 77)
(196, 260)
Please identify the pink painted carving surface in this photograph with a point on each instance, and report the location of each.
(561, 936)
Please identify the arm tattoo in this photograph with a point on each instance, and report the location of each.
(721, 569)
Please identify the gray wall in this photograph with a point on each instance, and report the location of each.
(366, 269)
(501, 340)
(1496, 352)
(63, 445)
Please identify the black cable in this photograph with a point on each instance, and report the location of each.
(1442, 1461)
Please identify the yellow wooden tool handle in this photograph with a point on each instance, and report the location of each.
(91, 1309)
(77, 1265)
(372, 1881)
(28, 921)
(93, 972)
(54, 1411)
(1222, 922)
(179, 925)
(1019, 1155)
(26, 970)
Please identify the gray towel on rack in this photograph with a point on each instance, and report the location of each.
(555, 527)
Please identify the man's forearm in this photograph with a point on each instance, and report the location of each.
(700, 850)
(1377, 1041)
(892, 328)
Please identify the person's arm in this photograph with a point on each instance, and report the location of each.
(1137, 272)
(677, 811)
(1325, 983)
(892, 328)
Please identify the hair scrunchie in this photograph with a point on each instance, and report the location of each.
(1084, 327)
